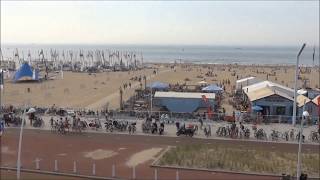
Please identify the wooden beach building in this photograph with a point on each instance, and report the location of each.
(272, 101)
(275, 99)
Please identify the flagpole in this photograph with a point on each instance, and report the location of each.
(1, 89)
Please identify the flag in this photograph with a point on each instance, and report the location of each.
(314, 51)
(206, 100)
(61, 71)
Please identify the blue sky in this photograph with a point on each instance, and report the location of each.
(156, 22)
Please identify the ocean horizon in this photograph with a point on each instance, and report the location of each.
(199, 54)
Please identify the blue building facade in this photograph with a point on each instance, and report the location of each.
(187, 105)
(275, 105)
(184, 102)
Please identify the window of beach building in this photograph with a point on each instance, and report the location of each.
(281, 110)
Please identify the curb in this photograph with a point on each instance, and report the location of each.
(172, 136)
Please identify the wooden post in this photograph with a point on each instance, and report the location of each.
(155, 174)
(145, 82)
(113, 170)
(56, 165)
(74, 167)
(121, 103)
(37, 164)
(94, 169)
(177, 175)
(133, 172)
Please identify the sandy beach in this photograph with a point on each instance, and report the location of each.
(95, 91)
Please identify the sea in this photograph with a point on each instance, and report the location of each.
(199, 54)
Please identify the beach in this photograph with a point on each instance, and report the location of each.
(97, 90)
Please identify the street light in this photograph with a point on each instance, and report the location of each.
(151, 101)
(294, 117)
(305, 115)
(20, 141)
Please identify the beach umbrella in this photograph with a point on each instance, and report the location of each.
(212, 88)
(257, 108)
(202, 82)
(31, 110)
(158, 85)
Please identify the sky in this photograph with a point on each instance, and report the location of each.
(282, 23)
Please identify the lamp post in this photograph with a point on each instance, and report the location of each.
(20, 141)
(151, 101)
(305, 115)
(294, 117)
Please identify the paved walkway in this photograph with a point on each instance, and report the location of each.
(170, 129)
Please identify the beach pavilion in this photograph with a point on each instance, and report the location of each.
(310, 106)
(272, 101)
(184, 102)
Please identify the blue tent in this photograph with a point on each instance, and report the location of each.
(212, 88)
(158, 85)
(25, 73)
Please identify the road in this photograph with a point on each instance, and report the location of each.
(68, 148)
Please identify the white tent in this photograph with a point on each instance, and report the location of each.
(302, 91)
(246, 82)
(31, 110)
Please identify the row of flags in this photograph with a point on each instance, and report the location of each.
(123, 58)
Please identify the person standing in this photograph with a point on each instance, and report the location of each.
(177, 125)
(51, 121)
